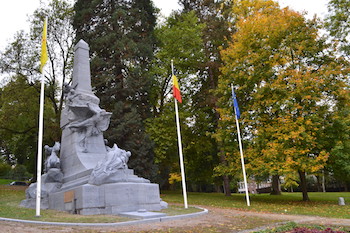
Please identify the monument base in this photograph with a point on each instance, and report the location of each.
(114, 198)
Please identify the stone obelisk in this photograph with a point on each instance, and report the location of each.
(81, 68)
(78, 160)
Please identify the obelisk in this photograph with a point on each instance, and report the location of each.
(78, 160)
(81, 68)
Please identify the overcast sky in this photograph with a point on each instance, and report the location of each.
(13, 13)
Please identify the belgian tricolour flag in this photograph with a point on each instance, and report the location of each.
(176, 89)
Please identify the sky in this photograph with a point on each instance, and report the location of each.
(14, 13)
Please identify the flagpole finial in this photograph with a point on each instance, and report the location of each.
(172, 67)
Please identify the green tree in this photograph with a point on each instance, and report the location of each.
(60, 41)
(217, 18)
(121, 39)
(21, 56)
(337, 23)
(288, 80)
(19, 64)
(4, 169)
(19, 121)
(179, 39)
(338, 141)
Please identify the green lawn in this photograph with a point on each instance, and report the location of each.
(321, 204)
(5, 181)
(293, 227)
(11, 196)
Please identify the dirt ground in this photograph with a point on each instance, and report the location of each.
(217, 220)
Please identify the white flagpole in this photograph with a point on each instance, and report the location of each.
(40, 143)
(182, 167)
(242, 158)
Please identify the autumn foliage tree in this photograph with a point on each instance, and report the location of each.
(288, 81)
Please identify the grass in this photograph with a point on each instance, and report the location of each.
(5, 181)
(292, 225)
(321, 204)
(11, 196)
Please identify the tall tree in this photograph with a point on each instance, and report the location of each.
(121, 39)
(180, 39)
(19, 64)
(216, 16)
(287, 80)
(19, 121)
(21, 56)
(337, 23)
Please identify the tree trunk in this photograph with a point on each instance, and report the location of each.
(227, 190)
(303, 185)
(319, 183)
(276, 186)
(218, 189)
(323, 182)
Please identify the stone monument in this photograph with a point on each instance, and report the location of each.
(94, 178)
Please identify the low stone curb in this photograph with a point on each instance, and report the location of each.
(133, 222)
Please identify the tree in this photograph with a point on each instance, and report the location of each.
(338, 141)
(288, 79)
(180, 39)
(19, 121)
(4, 169)
(21, 56)
(19, 64)
(337, 23)
(217, 18)
(60, 42)
(121, 39)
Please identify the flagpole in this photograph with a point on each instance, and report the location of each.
(182, 167)
(40, 139)
(241, 152)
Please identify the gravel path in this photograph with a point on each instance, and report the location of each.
(217, 220)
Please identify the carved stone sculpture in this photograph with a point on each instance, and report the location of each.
(90, 177)
(51, 179)
(94, 123)
(113, 168)
(52, 160)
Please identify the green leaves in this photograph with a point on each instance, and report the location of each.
(287, 87)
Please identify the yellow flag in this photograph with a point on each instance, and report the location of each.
(44, 56)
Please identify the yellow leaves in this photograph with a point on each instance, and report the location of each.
(245, 8)
(272, 60)
(174, 178)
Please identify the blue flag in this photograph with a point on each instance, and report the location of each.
(235, 104)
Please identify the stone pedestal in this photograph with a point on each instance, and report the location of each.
(112, 198)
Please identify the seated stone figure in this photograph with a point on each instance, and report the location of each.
(51, 180)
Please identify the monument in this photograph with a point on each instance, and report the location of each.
(91, 178)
